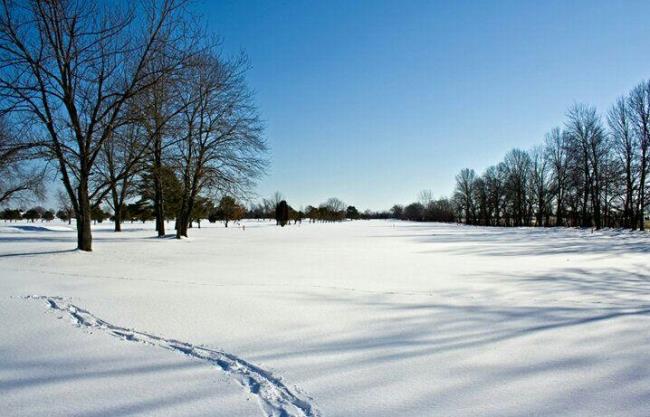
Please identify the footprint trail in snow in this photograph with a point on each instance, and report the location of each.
(274, 397)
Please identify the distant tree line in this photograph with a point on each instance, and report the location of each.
(426, 209)
(591, 172)
(276, 207)
(47, 215)
(334, 210)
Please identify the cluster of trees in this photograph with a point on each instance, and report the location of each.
(130, 101)
(592, 172)
(426, 209)
(33, 214)
(332, 210)
(228, 210)
(39, 213)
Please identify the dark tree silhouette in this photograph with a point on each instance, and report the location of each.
(352, 213)
(282, 213)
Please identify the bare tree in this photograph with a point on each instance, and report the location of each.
(518, 164)
(335, 205)
(276, 198)
(639, 105)
(332, 210)
(158, 111)
(425, 197)
(481, 199)
(69, 68)
(557, 143)
(221, 145)
(539, 184)
(494, 184)
(588, 139)
(464, 195)
(625, 147)
(118, 163)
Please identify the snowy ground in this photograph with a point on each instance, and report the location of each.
(363, 319)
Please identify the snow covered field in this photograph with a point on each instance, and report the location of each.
(372, 319)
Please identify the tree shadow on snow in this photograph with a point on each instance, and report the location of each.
(572, 307)
(47, 252)
(435, 328)
(525, 241)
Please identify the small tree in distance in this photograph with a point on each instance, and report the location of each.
(352, 213)
(98, 215)
(32, 214)
(63, 215)
(48, 216)
(228, 210)
(332, 210)
(11, 214)
(312, 213)
(65, 212)
(282, 213)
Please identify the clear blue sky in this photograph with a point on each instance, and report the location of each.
(372, 101)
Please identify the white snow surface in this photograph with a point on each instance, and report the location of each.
(364, 318)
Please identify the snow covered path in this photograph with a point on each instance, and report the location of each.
(274, 397)
(371, 319)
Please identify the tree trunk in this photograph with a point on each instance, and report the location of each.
(540, 210)
(586, 221)
(596, 195)
(117, 215)
(158, 201)
(84, 235)
(181, 225)
(181, 220)
(641, 203)
(118, 221)
(559, 210)
(628, 221)
(187, 205)
(645, 144)
(159, 210)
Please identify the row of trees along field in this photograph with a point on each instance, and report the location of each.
(332, 210)
(329, 211)
(227, 209)
(43, 214)
(123, 99)
(591, 172)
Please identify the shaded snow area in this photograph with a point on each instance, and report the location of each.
(33, 227)
(368, 319)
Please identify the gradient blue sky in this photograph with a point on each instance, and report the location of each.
(373, 101)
